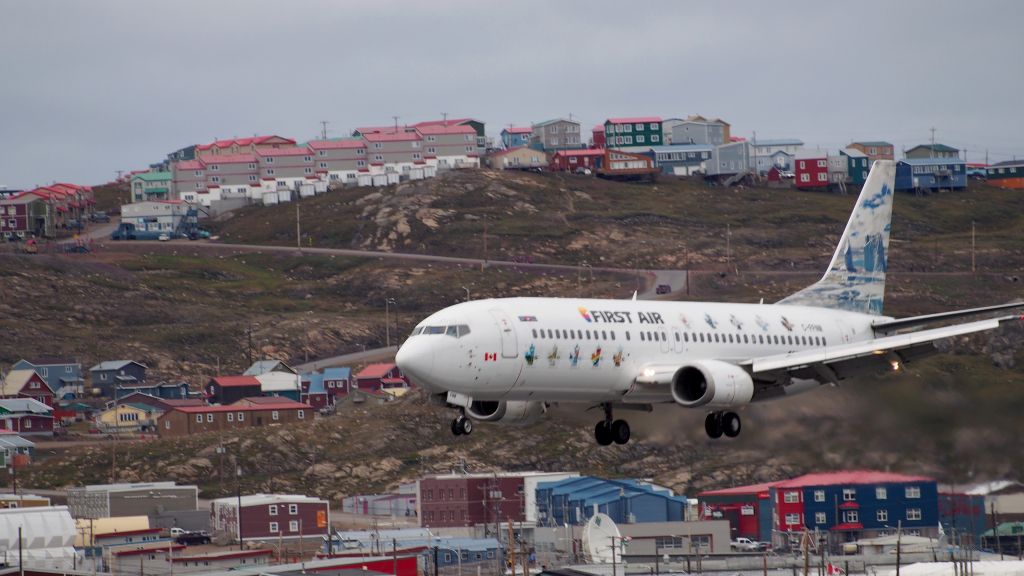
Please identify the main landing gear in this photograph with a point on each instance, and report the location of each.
(462, 425)
(719, 423)
(608, 430)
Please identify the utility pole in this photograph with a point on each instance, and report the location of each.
(728, 245)
(238, 495)
(396, 123)
(249, 349)
(974, 268)
(323, 129)
(932, 155)
(445, 116)
(298, 228)
(899, 545)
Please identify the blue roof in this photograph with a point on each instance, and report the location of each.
(316, 382)
(930, 161)
(779, 142)
(337, 373)
(682, 148)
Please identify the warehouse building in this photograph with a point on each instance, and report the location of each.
(139, 499)
(575, 500)
(270, 516)
(449, 500)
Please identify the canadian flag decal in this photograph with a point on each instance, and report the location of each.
(490, 356)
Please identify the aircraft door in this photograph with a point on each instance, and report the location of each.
(664, 336)
(677, 341)
(509, 343)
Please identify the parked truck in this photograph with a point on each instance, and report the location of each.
(747, 545)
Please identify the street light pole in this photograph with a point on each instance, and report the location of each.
(387, 320)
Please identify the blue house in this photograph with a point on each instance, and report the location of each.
(931, 174)
(575, 500)
(163, 390)
(857, 166)
(514, 137)
(62, 375)
(337, 381)
(680, 159)
(116, 373)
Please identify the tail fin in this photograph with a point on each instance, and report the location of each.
(855, 280)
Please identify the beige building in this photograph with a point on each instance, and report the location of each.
(519, 158)
(251, 145)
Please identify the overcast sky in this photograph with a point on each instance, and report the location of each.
(89, 88)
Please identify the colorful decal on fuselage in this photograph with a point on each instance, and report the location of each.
(761, 322)
(595, 358)
(685, 321)
(787, 324)
(553, 356)
(574, 357)
(617, 358)
(735, 322)
(531, 355)
(711, 321)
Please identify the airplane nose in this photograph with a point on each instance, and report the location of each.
(416, 359)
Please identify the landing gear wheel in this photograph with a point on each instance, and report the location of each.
(620, 431)
(462, 425)
(730, 423)
(713, 425)
(603, 433)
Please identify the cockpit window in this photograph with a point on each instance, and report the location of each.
(433, 330)
(417, 330)
(463, 329)
(452, 331)
(455, 330)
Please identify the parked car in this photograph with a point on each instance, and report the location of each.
(747, 545)
(99, 217)
(663, 289)
(190, 538)
(164, 237)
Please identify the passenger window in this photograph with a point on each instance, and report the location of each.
(534, 332)
(716, 337)
(604, 335)
(686, 336)
(745, 339)
(588, 334)
(613, 335)
(677, 337)
(642, 337)
(627, 336)
(701, 334)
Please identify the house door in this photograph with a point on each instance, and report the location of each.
(259, 420)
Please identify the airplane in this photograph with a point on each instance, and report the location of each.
(506, 360)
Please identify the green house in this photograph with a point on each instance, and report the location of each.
(857, 166)
(151, 186)
(641, 132)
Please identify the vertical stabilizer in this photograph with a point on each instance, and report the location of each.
(855, 279)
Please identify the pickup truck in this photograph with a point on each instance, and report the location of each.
(747, 545)
(190, 538)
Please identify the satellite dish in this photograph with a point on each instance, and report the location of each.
(600, 538)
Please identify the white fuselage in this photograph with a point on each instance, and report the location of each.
(588, 350)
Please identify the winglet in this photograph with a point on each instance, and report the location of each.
(634, 295)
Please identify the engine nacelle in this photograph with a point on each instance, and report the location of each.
(507, 412)
(712, 383)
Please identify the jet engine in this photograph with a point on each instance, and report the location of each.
(506, 412)
(712, 383)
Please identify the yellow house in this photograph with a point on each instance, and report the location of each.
(127, 418)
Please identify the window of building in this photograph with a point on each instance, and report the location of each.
(822, 178)
(293, 509)
(272, 510)
(308, 170)
(241, 416)
(274, 415)
(819, 518)
(881, 493)
(913, 491)
(805, 177)
(199, 418)
(913, 513)
(378, 157)
(792, 519)
(791, 497)
(849, 494)
(882, 515)
(301, 414)
(819, 495)
(209, 417)
(851, 516)
(655, 138)
(273, 528)
(639, 139)
(231, 417)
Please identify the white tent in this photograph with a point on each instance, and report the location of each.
(47, 536)
(278, 382)
(982, 568)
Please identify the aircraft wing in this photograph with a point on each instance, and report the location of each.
(835, 363)
(884, 327)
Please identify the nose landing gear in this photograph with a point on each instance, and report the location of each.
(462, 425)
(718, 423)
(608, 430)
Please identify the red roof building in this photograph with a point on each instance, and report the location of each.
(373, 377)
(242, 145)
(573, 160)
(246, 413)
(231, 389)
(597, 139)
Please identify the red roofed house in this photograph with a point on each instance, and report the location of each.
(597, 139)
(449, 146)
(577, 160)
(230, 176)
(385, 377)
(340, 159)
(285, 167)
(242, 145)
(844, 505)
(394, 151)
(747, 508)
(26, 215)
(231, 389)
(188, 181)
(26, 384)
(247, 413)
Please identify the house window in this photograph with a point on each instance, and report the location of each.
(293, 526)
(270, 172)
(819, 495)
(273, 528)
(378, 157)
(913, 513)
(322, 153)
(792, 519)
(913, 491)
(215, 167)
(377, 145)
(852, 516)
(308, 170)
(654, 125)
(199, 418)
(881, 493)
(307, 159)
(103, 376)
(849, 494)
(639, 127)
(431, 150)
(323, 164)
(819, 517)
(360, 163)
(231, 417)
(270, 160)
(274, 415)
(639, 139)
(209, 417)
(791, 497)
(301, 414)
(27, 423)
(197, 173)
(293, 509)
(272, 510)
(241, 416)
(822, 178)
(167, 424)
(469, 148)
(655, 138)
(882, 515)
(416, 156)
